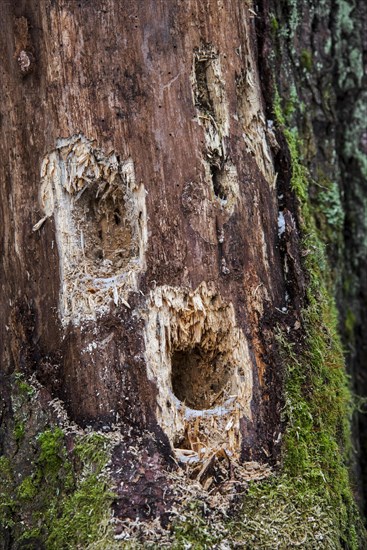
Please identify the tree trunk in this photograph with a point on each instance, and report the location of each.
(156, 282)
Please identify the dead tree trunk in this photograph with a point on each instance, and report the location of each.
(141, 221)
(150, 237)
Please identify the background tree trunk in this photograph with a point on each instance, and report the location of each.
(153, 245)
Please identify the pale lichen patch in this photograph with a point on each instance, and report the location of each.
(100, 221)
(199, 360)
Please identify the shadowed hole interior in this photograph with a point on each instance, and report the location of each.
(199, 377)
(106, 233)
(203, 99)
(218, 175)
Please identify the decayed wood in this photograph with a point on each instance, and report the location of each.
(158, 85)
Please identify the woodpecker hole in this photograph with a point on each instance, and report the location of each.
(199, 377)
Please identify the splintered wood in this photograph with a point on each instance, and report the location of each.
(219, 474)
(213, 115)
(258, 133)
(199, 360)
(100, 220)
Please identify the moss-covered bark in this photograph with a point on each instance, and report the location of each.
(321, 52)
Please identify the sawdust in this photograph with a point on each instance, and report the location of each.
(217, 501)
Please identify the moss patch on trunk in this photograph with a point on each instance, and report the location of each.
(60, 497)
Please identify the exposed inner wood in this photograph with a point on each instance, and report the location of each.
(100, 222)
(199, 359)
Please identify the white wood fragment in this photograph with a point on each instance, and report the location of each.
(39, 224)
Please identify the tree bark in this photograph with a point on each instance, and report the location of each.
(151, 238)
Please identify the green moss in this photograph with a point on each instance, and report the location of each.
(274, 24)
(25, 390)
(82, 513)
(19, 432)
(283, 513)
(30, 537)
(192, 530)
(318, 407)
(84, 509)
(6, 500)
(350, 324)
(306, 60)
(92, 449)
(64, 499)
(277, 109)
(292, 103)
(27, 489)
(52, 455)
(310, 503)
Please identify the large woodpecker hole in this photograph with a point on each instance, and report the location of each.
(99, 213)
(199, 377)
(199, 360)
